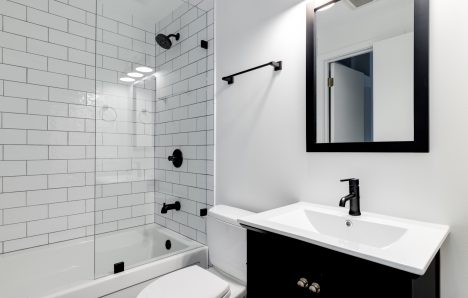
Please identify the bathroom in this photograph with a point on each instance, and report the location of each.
(134, 162)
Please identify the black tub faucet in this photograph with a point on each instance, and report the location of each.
(167, 207)
(353, 197)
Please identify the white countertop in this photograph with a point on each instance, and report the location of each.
(403, 244)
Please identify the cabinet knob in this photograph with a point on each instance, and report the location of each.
(302, 282)
(314, 288)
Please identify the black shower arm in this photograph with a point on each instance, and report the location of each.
(176, 36)
(276, 65)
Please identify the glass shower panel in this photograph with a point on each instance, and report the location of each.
(131, 71)
(47, 145)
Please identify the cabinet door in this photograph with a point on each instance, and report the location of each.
(275, 265)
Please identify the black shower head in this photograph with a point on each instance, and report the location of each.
(164, 41)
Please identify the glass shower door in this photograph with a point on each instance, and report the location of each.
(149, 101)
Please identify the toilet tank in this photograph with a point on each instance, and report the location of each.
(227, 241)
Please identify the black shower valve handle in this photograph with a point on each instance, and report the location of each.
(176, 158)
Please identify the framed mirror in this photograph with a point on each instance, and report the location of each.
(368, 76)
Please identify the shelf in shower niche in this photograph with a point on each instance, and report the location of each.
(276, 65)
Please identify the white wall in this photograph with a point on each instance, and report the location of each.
(261, 157)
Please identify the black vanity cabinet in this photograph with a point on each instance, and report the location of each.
(276, 263)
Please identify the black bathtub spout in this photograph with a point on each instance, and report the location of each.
(167, 207)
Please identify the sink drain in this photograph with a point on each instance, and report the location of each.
(349, 223)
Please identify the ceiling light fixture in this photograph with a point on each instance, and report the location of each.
(144, 69)
(127, 80)
(135, 75)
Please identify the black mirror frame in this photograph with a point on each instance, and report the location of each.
(421, 91)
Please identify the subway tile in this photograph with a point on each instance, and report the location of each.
(23, 183)
(12, 168)
(88, 5)
(131, 222)
(47, 49)
(67, 208)
(46, 19)
(67, 11)
(15, 89)
(66, 180)
(22, 152)
(81, 166)
(80, 220)
(81, 30)
(12, 41)
(24, 28)
(106, 227)
(13, 136)
(47, 226)
(68, 96)
(48, 196)
(67, 235)
(23, 59)
(116, 64)
(131, 32)
(37, 107)
(106, 203)
(12, 200)
(116, 214)
(80, 193)
(83, 57)
(65, 67)
(41, 167)
(13, 9)
(116, 189)
(66, 39)
(24, 243)
(117, 40)
(189, 232)
(47, 78)
(82, 84)
(106, 49)
(107, 24)
(21, 121)
(106, 75)
(9, 232)
(36, 137)
(39, 4)
(13, 73)
(13, 105)
(78, 138)
(132, 56)
(24, 214)
(67, 152)
(66, 124)
(131, 200)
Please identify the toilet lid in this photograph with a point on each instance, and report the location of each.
(193, 282)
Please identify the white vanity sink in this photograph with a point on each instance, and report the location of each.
(399, 243)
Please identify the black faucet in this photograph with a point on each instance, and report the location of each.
(167, 207)
(353, 197)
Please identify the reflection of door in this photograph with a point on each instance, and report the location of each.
(346, 104)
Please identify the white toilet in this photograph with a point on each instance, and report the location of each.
(227, 250)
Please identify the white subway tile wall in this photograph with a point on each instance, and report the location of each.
(185, 119)
(80, 152)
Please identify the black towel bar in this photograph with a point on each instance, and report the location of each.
(276, 65)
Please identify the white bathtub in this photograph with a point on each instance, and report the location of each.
(67, 270)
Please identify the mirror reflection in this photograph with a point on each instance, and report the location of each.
(364, 73)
